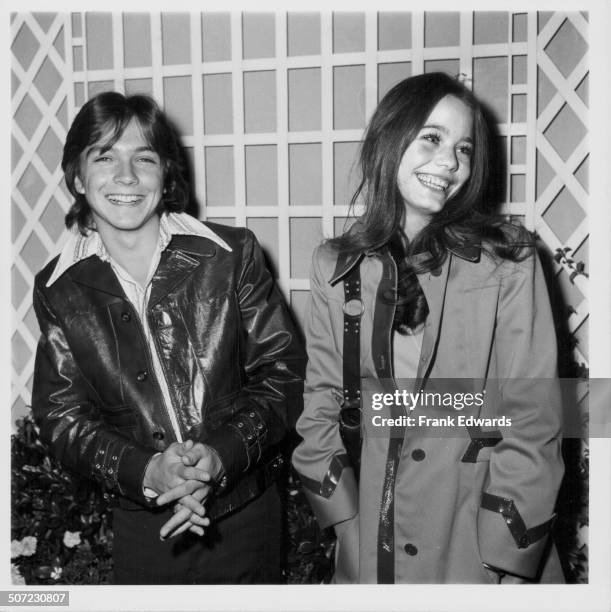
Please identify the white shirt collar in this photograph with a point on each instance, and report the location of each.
(79, 247)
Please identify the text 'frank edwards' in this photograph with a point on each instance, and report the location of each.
(410, 401)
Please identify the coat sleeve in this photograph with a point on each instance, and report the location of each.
(273, 361)
(66, 410)
(526, 467)
(321, 458)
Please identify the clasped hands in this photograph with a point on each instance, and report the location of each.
(182, 473)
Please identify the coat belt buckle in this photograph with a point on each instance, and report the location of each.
(353, 308)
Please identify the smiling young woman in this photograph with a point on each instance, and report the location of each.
(429, 285)
(436, 164)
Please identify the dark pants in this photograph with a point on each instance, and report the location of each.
(243, 548)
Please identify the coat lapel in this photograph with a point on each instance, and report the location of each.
(173, 269)
(434, 286)
(182, 257)
(97, 274)
(177, 263)
(381, 338)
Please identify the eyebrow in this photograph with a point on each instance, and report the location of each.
(444, 129)
(102, 149)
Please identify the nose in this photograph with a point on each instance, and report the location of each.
(446, 157)
(125, 174)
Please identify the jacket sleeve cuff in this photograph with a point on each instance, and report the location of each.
(335, 499)
(239, 444)
(231, 450)
(131, 466)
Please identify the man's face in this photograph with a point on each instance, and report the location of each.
(123, 184)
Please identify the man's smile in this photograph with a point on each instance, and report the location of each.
(124, 198)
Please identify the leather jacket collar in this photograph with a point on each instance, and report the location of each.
(79, 247)
(181, 257)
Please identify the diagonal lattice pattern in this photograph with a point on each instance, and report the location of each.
(562, 151)
(39, 128)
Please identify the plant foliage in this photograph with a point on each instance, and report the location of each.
(62, 525)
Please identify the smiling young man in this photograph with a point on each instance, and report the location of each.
(167, 368)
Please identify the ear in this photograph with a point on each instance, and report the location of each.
(169, 188)
(78, 185)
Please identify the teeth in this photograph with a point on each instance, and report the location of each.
(433, 182)
(123, 198)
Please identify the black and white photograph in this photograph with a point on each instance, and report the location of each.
(305, 297)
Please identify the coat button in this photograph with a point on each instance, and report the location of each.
(158, 435)
(125, 316)
(142, 376)
(418, 454)
(411, 550)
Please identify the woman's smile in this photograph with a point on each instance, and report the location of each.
(435, 183)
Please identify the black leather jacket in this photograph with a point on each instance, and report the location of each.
(233, 363)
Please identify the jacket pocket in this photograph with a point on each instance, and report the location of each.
(482, 455)
(480, 448)
(479, 471)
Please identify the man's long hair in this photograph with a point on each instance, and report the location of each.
(104, 118)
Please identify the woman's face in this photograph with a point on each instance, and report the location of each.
(437, 163)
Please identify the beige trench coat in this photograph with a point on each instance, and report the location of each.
(424, 512)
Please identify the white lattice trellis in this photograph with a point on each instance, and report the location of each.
(30, 170)
(564, 169)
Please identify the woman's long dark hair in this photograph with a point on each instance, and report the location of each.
(467, 219)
